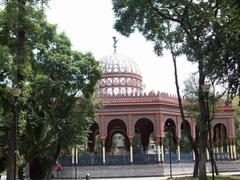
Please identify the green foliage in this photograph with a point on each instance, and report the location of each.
(56, 104)
(237, 122)
(191, 96)
(98, 145)
(199, 29)
(206, 30)
(185, 145)
(61, 107)
(136, 143)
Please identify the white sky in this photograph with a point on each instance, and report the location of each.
(89, 25)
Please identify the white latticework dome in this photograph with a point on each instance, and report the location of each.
(121, 76)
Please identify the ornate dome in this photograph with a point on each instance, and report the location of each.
(117, 63)
(121, 76)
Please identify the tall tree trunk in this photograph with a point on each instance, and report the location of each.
(196, 164)
(184, 121)
(55, 157)
(19, 80)
(38, 168)
(10, 163)
(215, 167)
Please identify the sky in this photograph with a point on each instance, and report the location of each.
(89, 25)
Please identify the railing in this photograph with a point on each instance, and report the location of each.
(117, 160)
(90, 160)
(184, 158)
(96, 160)
(145, 159)
(65, 160)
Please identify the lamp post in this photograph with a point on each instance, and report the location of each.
(168, 129)
(205, 89)
(16, 92)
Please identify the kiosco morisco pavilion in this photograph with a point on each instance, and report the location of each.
(128, 112)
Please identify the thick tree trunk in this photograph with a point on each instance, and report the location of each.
(215, 167)
(196, 164)
(19, 81)
(55, 157)
(10, 162)
(42, 168)
(202, 164)
(203, 130)
(38, 168)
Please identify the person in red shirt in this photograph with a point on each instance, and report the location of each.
(59, 167)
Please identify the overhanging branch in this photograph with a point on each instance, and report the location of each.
(159, 12)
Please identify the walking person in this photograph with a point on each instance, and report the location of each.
(58, 168)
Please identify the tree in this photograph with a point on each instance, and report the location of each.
(61, 110)
(56, 104)
(13, 31)
(195, 23)
(237, 115)
(5, 107)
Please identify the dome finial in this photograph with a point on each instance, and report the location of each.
(115, 43)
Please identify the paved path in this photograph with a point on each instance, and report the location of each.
(155, 178)
(144, 178)
(157, 170)
(130, 178)
(144, 172)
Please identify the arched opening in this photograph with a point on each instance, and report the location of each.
(184, 142)
(144, 135)
(144, 127)
(220, 141)
(117, 143)
(118, 146)
(185, 145)
(170, 141)
(93, 132)
(152, 148)
(137, 145)
(91, 153)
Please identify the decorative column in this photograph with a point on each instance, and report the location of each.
(158, 150)
(73, 156)
(231, 149)
(76, 157)
(228, 152)
(207, 152)
(234, 151)
(161, 125)
(131, 151)
(130, 133)
(103, 134)
(157, 130)
(178, 151)
(217, 151)
(162, 150)
(221, 150)
(193, 153)
(103, 152)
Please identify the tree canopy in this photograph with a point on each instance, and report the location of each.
(56, 104)
(212, 27)
(199, 29)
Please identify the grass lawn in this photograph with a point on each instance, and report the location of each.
(209, 177)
